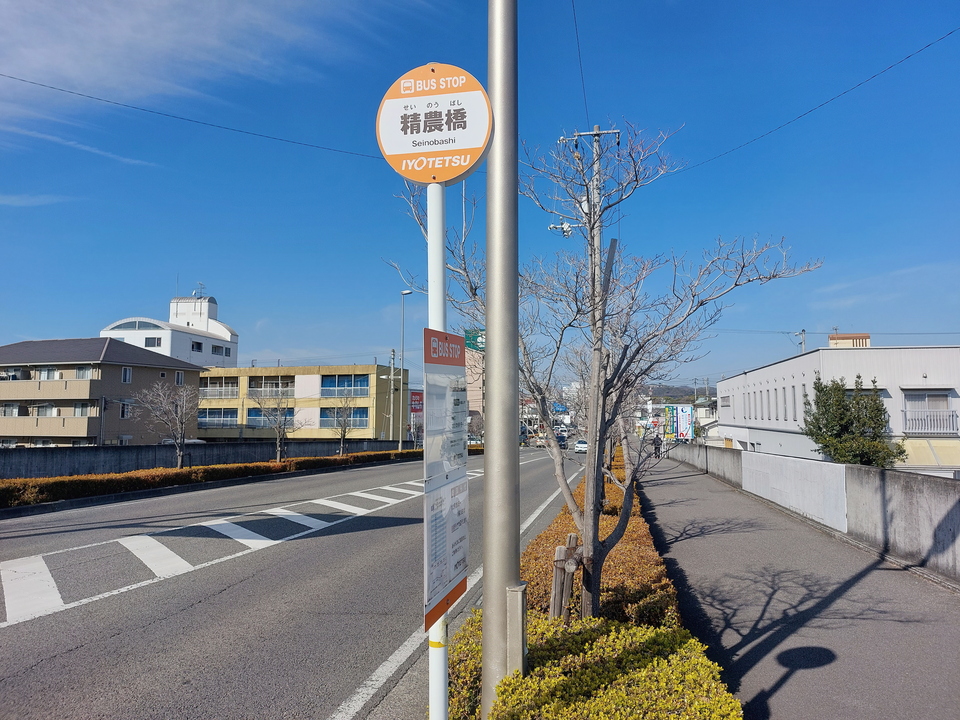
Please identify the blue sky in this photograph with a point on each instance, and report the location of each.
(107, 212)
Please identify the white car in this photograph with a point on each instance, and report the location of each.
(580, 446)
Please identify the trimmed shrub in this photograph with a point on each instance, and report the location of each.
(595, 668)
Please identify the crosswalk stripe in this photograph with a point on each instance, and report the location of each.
(310, 522)
(372, 496)
(163, 561)
(342, 506)
(28, 588)
(240, 534)
(405, 491)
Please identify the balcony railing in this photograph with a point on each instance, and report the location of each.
(930, 422)
(270, 392)
(345, 392)
(207, 423)
(220, 393)
(352, 423)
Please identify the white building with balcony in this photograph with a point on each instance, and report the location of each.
(193, 333)
(761, 410)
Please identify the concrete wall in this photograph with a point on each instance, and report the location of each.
(56, 461)
(914, 517)
(812, 489)
(910, 516)
(720, 462)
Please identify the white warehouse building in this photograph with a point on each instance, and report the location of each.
(761, 410)
(193, 333)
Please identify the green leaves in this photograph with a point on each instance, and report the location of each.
(850, 427)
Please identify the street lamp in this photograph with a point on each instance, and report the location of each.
(405, 415)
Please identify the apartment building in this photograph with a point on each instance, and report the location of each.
(192, 334)
(80, 391)
(238, 403)
(762, 410)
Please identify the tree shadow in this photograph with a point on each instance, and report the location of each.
(705, 527)
(744, 618)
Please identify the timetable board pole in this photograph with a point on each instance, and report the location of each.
(439, 670)
(434, 127)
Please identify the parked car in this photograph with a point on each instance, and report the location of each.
(580, 446)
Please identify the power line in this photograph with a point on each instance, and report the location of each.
(583, 82)
(190, 120)
(377, 157)
(825, 102)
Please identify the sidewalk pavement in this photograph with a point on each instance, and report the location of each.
(804, 623)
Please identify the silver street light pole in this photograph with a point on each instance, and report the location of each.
(503, 596)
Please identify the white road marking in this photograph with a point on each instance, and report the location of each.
(239, 533)
(402, 490)
(342, 506)
(310, 522)
(372, 496)
(163, 561)
(28, 588)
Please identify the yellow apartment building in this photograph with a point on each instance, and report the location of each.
(236, 403)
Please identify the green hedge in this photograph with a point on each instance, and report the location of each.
(31, 491)
(595, 668)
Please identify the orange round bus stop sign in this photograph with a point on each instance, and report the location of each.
(434, 124)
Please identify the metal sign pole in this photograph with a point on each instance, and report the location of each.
(437, 320)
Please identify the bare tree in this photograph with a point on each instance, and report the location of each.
(170, 411)
(343, 418)
(600, 317)
(279, 416)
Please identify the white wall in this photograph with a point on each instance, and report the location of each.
(813, 489)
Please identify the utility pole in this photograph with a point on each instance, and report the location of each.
(803, 340)
(599, 284)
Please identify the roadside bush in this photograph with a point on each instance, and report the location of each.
(31, 491)
(595, 668)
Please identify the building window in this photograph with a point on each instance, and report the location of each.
(345, 386)
(335, 417)
(226, 351)
(216, 349)
(126, 409)
(83, 442)
(178, 377)
(8, 442)
(126, 375)
(196, 346)
(784, 395)
(81, 409)
(42, 442)
(793, 392)
(47, 373)
(47, 410)
(217, 418)
(9, 410)
(929, 413)
(151, 342)
(83, 372)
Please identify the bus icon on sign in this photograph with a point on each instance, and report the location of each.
(406, 86)
(434, 347)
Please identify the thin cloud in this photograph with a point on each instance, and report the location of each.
(32, 200)
(130, 51)
(75, 145)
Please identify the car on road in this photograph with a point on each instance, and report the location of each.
(562, 441)
(580, 446)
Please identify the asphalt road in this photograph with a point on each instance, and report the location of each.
(224, 603)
